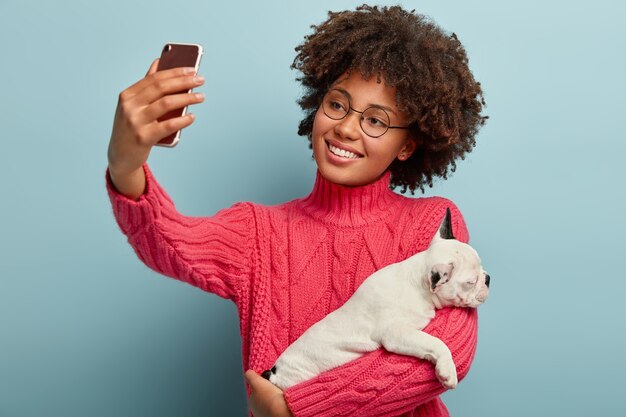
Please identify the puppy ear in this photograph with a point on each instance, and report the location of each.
(439, 275)
(445, 229)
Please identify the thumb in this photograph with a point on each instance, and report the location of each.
(153, 67)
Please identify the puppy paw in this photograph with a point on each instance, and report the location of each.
(446, 373)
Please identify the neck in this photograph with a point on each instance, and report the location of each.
(350, 206)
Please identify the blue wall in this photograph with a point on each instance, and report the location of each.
(87, 330)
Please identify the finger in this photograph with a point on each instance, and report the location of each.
(132, 90)
(166, 104)
(256, 381)
(154, 132)
(153, 67)
(156, 76)
(168, 86)
(260, 384)
(249, 376)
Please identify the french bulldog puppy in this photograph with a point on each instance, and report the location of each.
(389, 309)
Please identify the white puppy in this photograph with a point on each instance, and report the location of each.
(389, 309)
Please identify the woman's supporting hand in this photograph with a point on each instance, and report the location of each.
(266, 399)
(136, 128)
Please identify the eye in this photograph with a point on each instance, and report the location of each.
(472, 282)
(376, 118)
(376, 122)
(336, 105)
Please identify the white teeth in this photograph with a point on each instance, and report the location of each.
(342, 152)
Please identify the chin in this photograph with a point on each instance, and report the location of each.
(340, 178)
(347, 179)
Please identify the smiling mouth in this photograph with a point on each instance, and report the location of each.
(342, 152)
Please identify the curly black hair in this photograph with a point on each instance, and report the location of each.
(428, 67)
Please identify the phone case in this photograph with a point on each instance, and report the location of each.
(176, 55)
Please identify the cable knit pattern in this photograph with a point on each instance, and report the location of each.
(288, 266)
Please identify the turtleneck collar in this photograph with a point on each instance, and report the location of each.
(350, 206)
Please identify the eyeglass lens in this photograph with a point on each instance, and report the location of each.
(374, 121)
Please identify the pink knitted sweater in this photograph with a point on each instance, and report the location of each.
(288, 266)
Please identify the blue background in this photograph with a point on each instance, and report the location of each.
(87, 330)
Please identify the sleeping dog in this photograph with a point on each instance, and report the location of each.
(389, 310)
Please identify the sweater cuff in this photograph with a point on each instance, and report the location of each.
(308, 399)
(133, 215)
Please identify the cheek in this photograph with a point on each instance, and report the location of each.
(450, 291)
(318, 132)
(382, 151)
(320, 124)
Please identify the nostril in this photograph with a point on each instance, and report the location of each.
(487, 279)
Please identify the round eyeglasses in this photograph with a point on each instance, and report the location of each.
(374, 120)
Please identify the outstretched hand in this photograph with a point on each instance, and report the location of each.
(137, 125)
(266, 399)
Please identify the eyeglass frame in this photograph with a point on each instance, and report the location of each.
(352, 109)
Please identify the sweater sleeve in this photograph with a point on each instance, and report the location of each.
(386, 384)
(211, 253)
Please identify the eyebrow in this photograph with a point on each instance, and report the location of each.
(380, 106)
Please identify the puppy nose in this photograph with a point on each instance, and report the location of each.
(487, 279)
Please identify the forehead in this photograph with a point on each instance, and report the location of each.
(365, 92)
(470, 259)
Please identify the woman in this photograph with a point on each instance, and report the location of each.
(389, 101)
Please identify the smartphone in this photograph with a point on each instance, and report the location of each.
(178, 55)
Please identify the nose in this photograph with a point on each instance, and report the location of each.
(487, 279)
(349, 127)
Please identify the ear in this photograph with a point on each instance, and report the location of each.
(439, 275)
(407, 150)
(445, 229)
